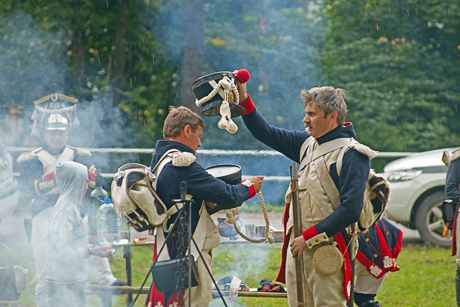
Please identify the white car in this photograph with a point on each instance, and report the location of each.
(417, 192)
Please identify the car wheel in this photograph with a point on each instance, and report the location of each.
(429, 222)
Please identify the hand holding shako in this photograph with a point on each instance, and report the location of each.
(242, 77)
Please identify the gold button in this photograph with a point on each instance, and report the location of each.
(375, 256)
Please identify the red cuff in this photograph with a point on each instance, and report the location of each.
(310, 233)
(91, 175)
(250, 185)
(48, 176)
(248, 105)
(252, 191)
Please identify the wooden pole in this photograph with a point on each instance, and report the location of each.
(297, 218)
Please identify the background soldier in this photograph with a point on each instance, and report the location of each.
(52, 120)
(377, 253)
(453, 192)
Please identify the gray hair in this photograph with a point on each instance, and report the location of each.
(328, 99)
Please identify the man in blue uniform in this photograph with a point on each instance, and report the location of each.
(453, 192)
(182, 133)
(320, 145)
(378, 250)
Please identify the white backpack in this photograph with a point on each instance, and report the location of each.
(134, 195)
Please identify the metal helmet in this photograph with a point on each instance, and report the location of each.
(55, 111)
(56, 122)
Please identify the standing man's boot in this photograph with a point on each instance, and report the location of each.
(366, 300)
(457, 285)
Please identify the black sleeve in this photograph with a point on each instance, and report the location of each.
(29, 171)
(453, 180)
(204, 186)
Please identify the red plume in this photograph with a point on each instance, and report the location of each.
(242, 75)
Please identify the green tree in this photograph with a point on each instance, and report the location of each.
(126, 61)
(101, 52)
(399, 62)
(275, 41)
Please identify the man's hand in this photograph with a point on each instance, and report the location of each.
(256, 181)
(298, 247)
(104, 250)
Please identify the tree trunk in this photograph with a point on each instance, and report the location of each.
(121, 42)
(79, 48)
(192, 65)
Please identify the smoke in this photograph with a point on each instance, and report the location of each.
(96, 130)
(277, 43)
(30, 60)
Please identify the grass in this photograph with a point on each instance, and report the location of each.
(426, 277)
(258, 209)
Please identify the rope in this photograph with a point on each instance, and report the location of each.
(227, 86)
(232, 220)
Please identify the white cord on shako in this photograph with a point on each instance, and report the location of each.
(224, 88)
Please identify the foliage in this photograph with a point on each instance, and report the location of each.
(101, 52)
(275, 42)
(124, 61)
(30, 60)
(399, 63)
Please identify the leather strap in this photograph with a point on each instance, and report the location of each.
(327, 182)
(50, 162)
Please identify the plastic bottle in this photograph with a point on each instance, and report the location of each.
(98, 190)
(95, 204)
(108, 223)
